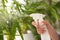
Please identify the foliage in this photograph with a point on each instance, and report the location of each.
(17, 16)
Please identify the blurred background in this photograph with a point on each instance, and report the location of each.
(15, 24)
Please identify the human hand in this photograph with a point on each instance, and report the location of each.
(39, 28)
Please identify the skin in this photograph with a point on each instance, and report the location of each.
(40, 30)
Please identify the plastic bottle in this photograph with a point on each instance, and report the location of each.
(39, 17)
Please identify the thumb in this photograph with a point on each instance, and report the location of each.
(34, 24)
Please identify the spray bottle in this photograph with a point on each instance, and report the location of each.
(39, 17)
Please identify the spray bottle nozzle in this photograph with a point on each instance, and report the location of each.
(37, 16)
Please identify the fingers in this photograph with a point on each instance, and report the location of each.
(37, 25)
(39, 28)
(47, 23)
(34, 24)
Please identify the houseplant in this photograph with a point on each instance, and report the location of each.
(16, 16)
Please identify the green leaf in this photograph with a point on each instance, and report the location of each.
(54, 13)
(57, 5)
(6, 0)
(13, 29)
(35, 7)
(17, 5)
(1, 37)
(1, 33)
(3, 3)
(20, 31)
